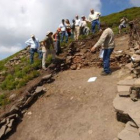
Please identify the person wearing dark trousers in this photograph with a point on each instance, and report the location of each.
(56, 38)
(34, 44)
(107, 42)
(64, 33)
(94, 19)
(72, 28)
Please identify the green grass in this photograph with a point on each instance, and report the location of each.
(113, 20)
(21, 75)
(3, 100)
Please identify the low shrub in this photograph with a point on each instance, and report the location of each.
(3, 100)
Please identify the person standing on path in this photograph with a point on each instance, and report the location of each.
(94, 19)
(77, 27)
(48, 43)
(34, 44)
(107, 42)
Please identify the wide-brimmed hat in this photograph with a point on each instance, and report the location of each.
(49, 32)
(32, 35)
(82, 16)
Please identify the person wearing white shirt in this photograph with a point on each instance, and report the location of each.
(34, 44)
(84, 27)
(123, 22)
(77, 27)
(94, 19)
(64, 33)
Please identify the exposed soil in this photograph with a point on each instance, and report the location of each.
(73, 109)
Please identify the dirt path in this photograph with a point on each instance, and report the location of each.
(73, 109)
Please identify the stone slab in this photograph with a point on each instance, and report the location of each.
(135, 58)
(11, 123)
(39, 89)
(137, 82)
(126, 82)
(129, 77)
(123, 88)
(134, 113)
(47, 77)
(124, 94)
(8, 130)
(129, 66)
(127, 107)
(2, 130)
(129, 133)
(122, 104)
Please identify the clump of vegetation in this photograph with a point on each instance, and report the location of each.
(3, 100)
(21, 76)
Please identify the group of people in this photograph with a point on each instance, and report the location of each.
(51, 43)
(65, 30)
(79, 26)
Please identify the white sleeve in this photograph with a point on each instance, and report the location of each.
(60, 26)
(28, 42)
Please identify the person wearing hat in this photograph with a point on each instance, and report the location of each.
(33, 42)
(83, 26)
(46, 49)
(77, 27)
(107, 42)
(123, 23)
(94, 19)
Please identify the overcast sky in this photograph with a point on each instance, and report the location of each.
(21, 18)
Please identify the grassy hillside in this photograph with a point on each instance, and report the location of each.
(113, 20)
(16, 76)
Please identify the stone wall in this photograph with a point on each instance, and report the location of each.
(10, 119)
(127, 101)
